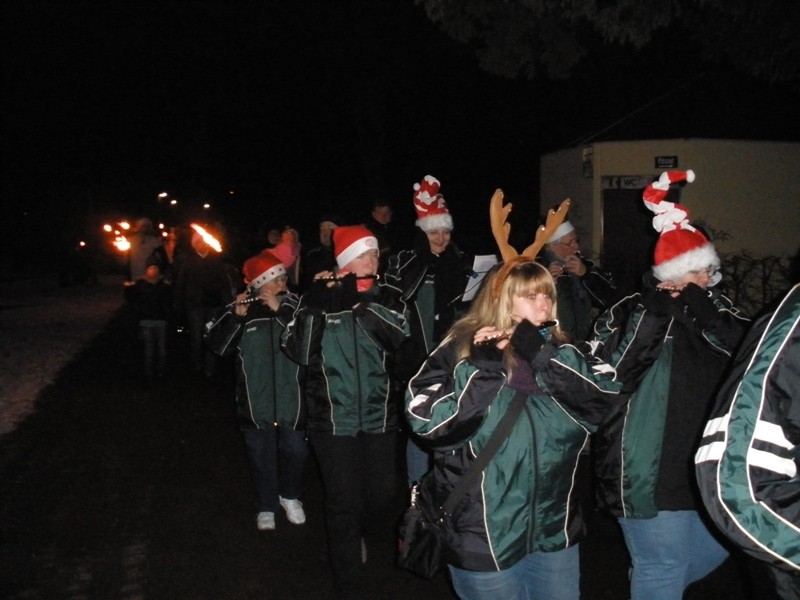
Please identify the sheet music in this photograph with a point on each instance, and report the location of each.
(480, 267)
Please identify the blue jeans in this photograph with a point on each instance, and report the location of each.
(154, 336)
(277, 456)
(418, 461)
(668, 553)
(538, 576)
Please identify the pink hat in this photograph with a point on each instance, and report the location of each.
(431, 208)
(352, 241)
(261, 269)
(680, 247)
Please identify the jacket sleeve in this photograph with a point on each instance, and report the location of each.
(303, 335)
(224, 332)
(385, 327)
(629, 338)
(585, 386)
(447, 400)
(287, 308)
(727, 331)
(600, 285)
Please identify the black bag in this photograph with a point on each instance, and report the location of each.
(421, 545)
(421, 540)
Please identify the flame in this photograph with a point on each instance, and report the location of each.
(207, 237)
(121, 243)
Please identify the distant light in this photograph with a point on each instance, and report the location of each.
(125, 225)
(173, 202)
(161, 226)
(82, 244)
(231, 192)
(107, 228)
(163, 195)
(206, 206)
(122, 244)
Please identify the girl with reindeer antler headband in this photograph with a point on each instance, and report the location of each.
(516, 532)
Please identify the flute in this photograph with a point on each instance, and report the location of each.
(250, 300)
(507, 334)
(334, 278)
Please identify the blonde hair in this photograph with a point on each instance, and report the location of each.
(493, 303)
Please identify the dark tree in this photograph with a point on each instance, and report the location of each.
(529, 37)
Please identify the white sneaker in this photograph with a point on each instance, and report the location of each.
(294, 511)
(265, 521)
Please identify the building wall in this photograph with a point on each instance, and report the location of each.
(562, 177)
(748, 189)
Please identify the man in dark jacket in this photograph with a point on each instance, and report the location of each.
(583, 288)
(202, 289)
(320, 258)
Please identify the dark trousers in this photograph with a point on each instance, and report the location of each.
(202, 358)
(154, 337)
(786, 583)
(359, 477)
(277, 456)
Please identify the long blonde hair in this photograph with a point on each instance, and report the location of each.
(492, 305)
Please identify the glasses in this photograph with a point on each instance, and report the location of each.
(709, 270)
(570, 243)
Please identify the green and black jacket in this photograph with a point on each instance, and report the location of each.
(526, 499)
(345, 339)
(747, 463)
(268, 383)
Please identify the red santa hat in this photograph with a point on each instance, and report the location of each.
(431, 208)
(261, 269)
(680, 248)
(352, 241)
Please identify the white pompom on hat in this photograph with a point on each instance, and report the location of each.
(680, 248)
(261, 269)
(431, 208)
(351, 241)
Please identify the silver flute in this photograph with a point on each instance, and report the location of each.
(250, 300)
(330, 278)
(507, 334)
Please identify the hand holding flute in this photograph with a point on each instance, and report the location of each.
(245, 299)
(330, 279)
(671, 288)
(501, 337)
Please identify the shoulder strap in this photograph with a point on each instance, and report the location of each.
(498, 436)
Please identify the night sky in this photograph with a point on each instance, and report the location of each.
(304, 107)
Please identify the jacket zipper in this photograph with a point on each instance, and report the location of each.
(358, 373)
(533, 477)
(272, 363)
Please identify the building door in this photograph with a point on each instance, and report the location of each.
(628, 236)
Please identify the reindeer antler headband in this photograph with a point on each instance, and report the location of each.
(498, 215)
